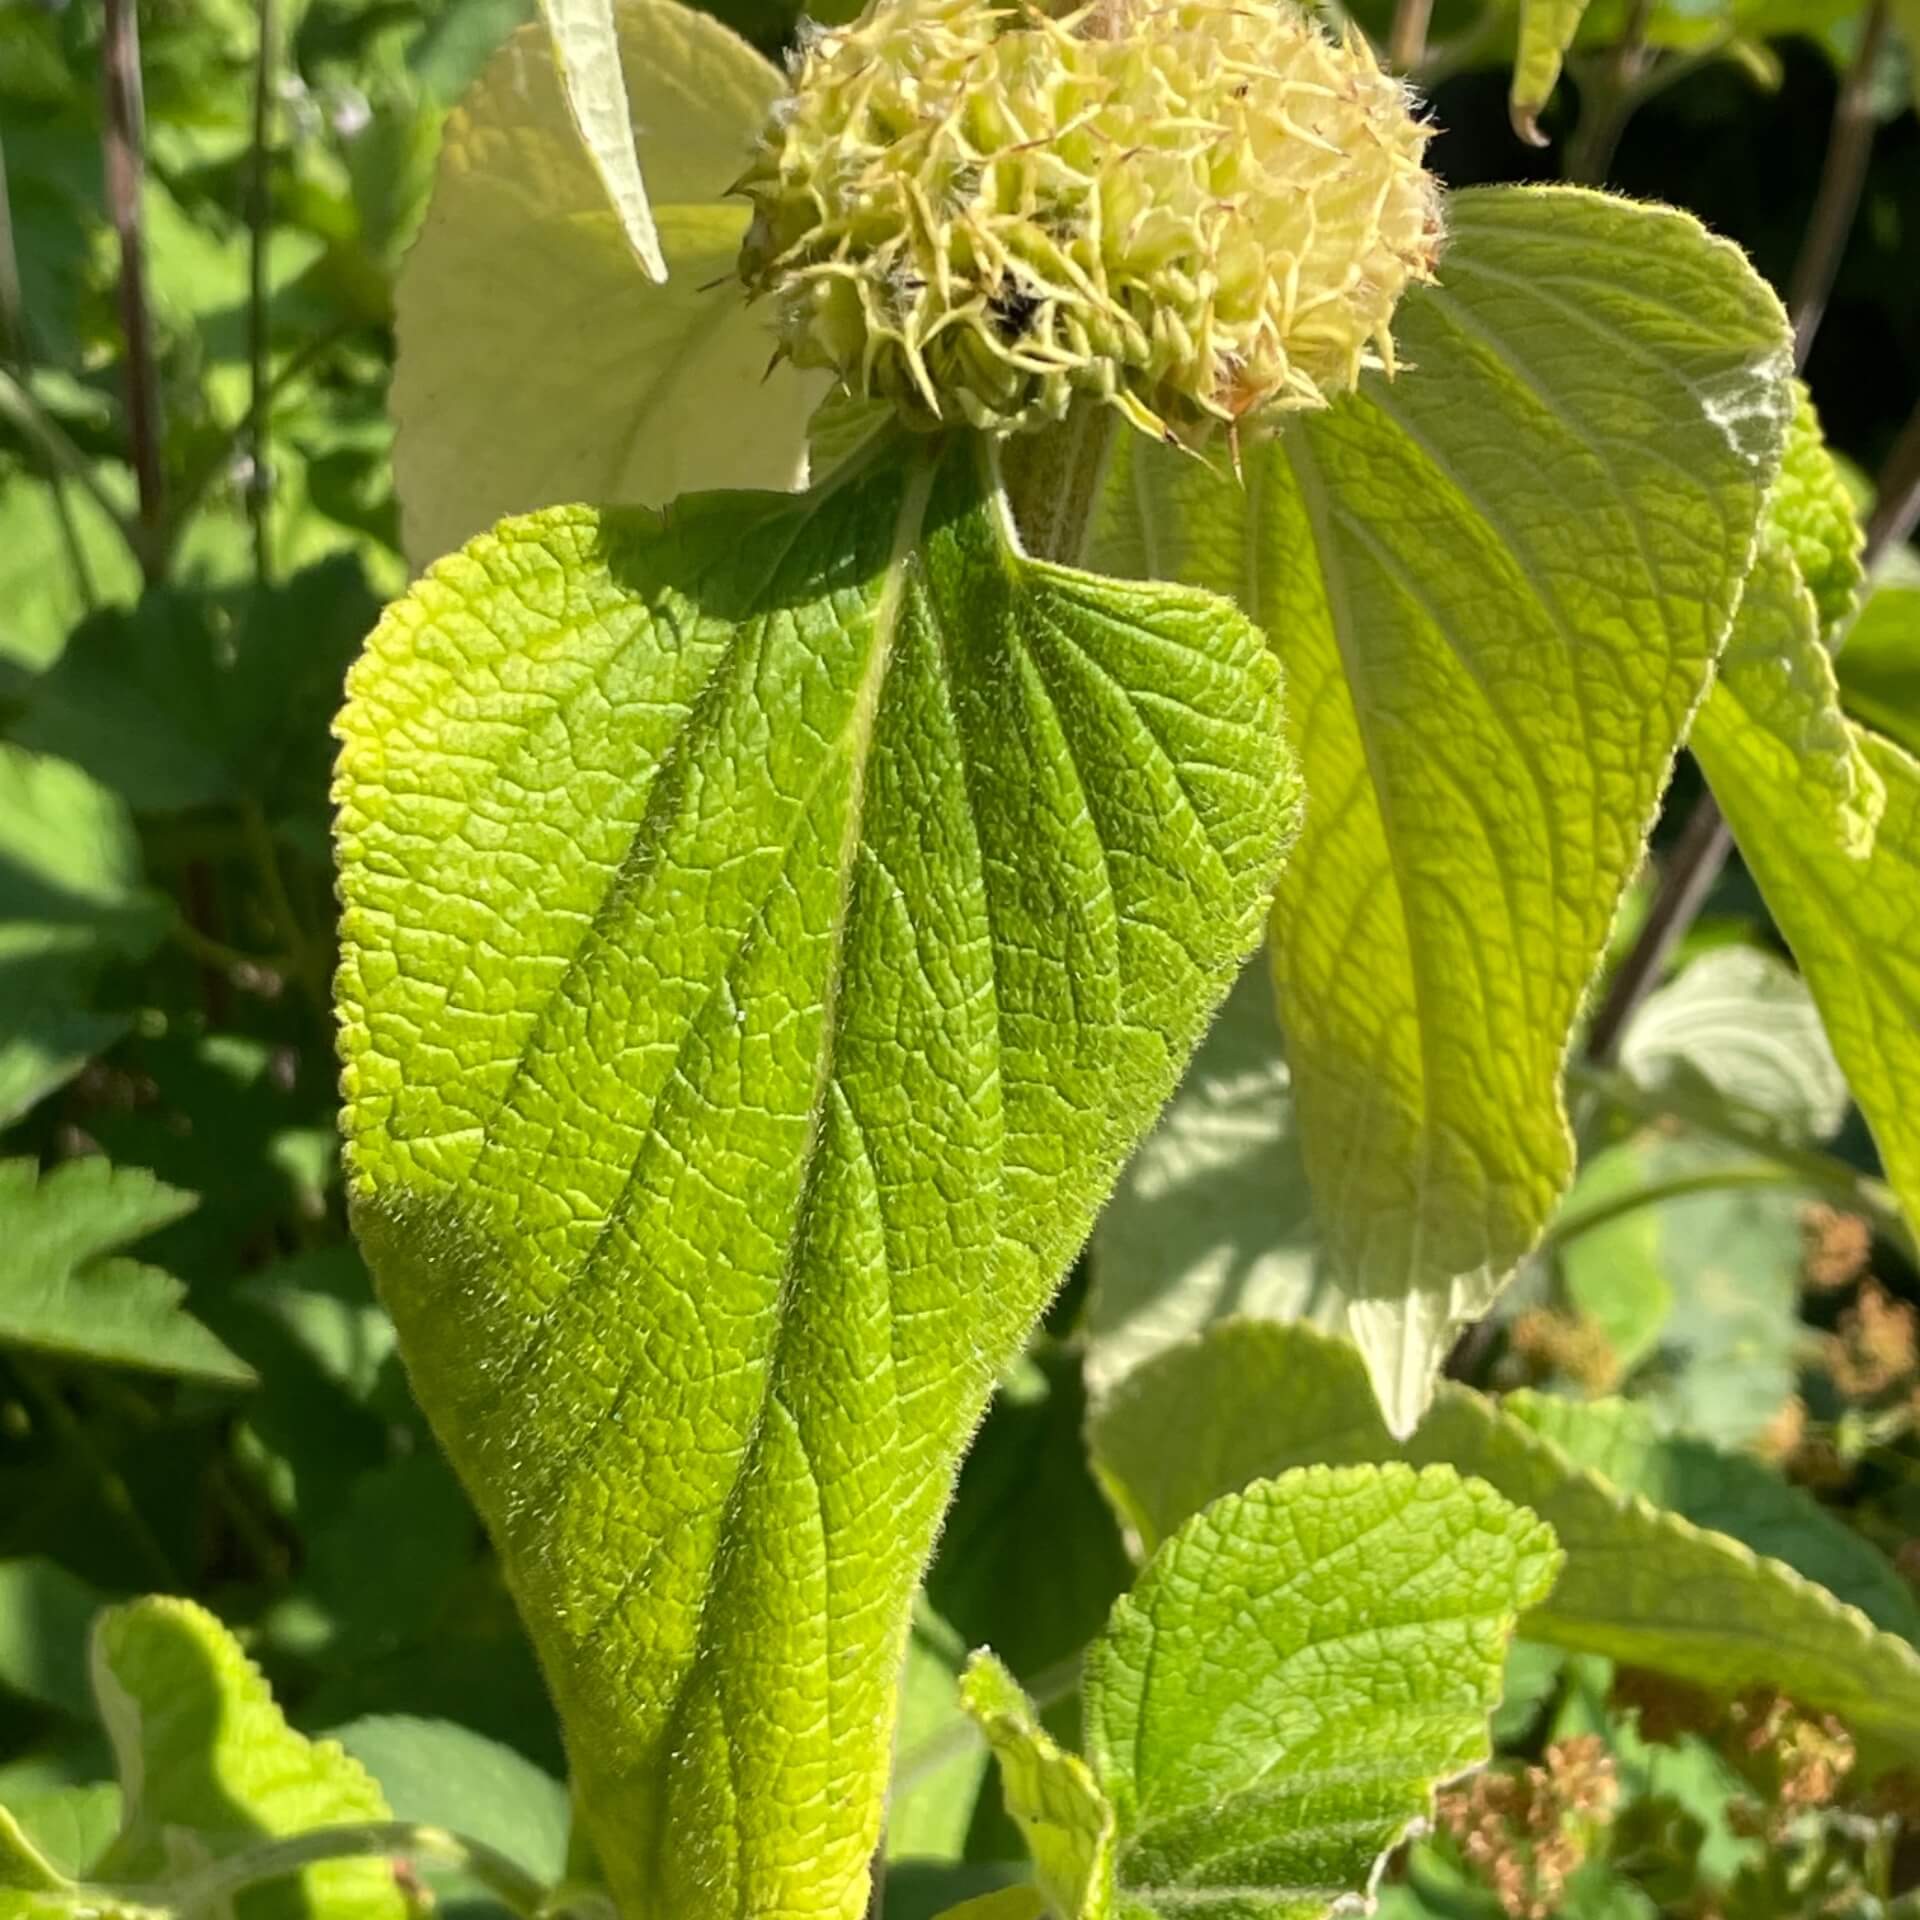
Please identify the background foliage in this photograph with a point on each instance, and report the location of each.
(198, 1393)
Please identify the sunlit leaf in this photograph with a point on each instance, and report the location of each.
(767, 930)
(1498, 585)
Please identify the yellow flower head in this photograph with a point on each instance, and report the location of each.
(1204, 212)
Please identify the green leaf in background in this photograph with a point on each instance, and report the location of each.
(1269, 1710)
(44, 589)
(536, 366)
(1827, 817)
(1703, 1287)
(45, 1612)
(70, 903)
(1880, 663)
(1498, 585)
(1739, 1026)
(442, 1775)
(939, 1765)
(1547, 28)
(1811, 511)
(194, 699)
(586, 49)
(65, 1289)
(1212, 1216)
(1068, 1823)
(767, 930)
(1296, 1670)
(209, 1766)
(1643, 1584)
(68, 1829)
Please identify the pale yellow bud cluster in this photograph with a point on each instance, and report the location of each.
(1203, 212)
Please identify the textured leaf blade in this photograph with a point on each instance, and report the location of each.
(766, 931)
(1498, 586)
(65, 1289)
(209, 1765)
(1811, 511)
(535, 365)
(1643, 1584)
(1297, 1668)
(1827, 817)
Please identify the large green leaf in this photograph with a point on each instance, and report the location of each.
(1827, 817)
(1498, 585)
(1655, 1586)
(65, 1288)
(1269, 1710)
(209, 1766)
(1212, 1215)
(767, 929)
(536, 364)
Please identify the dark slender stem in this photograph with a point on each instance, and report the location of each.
(1607, 102)
(1407, 37)
(125, 168)
(259, 212)
(1842, 175)
(1896, 510)
(1685, 881)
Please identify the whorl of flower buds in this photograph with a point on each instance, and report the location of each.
(1203, 212)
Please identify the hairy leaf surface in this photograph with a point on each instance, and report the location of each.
(536, 364)
(209, 1765)
(1270, 1709)
(1651, 1585)
(767, 928)
(1498, 585)
(1827, 817)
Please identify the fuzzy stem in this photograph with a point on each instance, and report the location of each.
(1053, 480)
(1896, 509)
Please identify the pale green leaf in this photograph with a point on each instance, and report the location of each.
(1811, 512)
(1739, 1025)
(586, 49)
(1498, 585)
(1703, 1286)
(71, 902)
(24, 1867)
(69, 1828)
(1003, 1903)
(535, 365)
(209, 1766)
(1643, 1584)
(1211, 1216)
(1068, 1823)
(1724, 1492)
(767, 930)
(1827, 817)
(1880, 663)
(64, 1288)
(1547, 28)
(1298, 1667)
(444, 1775)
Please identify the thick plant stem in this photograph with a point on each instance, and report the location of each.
(259, 211)
(1407, 38)
(1842, 176)
(1053, 480)
(125, 141)
(1607, 102)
